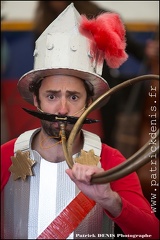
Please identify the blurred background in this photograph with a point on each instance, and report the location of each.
(125, 120)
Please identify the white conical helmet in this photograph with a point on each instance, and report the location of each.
(62, 49)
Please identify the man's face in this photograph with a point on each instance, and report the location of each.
(61, 95)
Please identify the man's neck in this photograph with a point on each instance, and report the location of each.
(51, 150)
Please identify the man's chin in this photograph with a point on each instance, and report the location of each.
(55, 125)
(53, 129)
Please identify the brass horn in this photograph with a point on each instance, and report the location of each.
(137, 160)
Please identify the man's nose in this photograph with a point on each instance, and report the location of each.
(63, 107)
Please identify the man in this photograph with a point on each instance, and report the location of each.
(41, 197)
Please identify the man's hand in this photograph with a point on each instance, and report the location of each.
(100, 193)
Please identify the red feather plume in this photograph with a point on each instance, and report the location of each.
(107, 33)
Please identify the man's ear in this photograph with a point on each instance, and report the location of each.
(90, 102)
(35, 101)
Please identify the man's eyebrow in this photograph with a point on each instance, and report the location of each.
(73, 92)
(52, 91)
(58, 91)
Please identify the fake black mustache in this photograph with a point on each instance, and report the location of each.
(58, 118)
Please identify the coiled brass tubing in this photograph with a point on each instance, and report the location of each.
(64, 144)
(137, 160)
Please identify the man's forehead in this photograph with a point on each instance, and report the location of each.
(63, 80)
(65, 90)
(61, 77)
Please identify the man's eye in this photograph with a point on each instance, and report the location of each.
(51, 97)
(74, 97)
